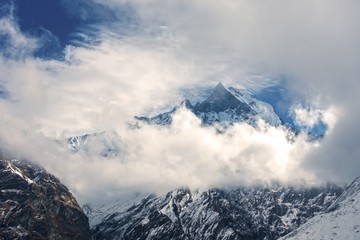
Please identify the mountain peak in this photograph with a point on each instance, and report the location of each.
(186, 104)
(225, 106)
(219, 87)
(219, 92)
(219, 101)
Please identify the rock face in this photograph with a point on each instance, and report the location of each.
(35, 205)
(241, 213)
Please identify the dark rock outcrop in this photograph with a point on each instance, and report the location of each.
(35, 205)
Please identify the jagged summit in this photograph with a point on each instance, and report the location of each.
(224, 106)
(187, 104)
(220, 94)
(219, 88)
(219, 101)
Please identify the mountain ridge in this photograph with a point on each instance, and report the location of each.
(222, 107)
(217, 213)
(341, 220)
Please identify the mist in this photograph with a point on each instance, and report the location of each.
(187, 45)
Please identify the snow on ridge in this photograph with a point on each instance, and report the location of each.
(224, 107)
(353, 189)
(263, 109)
(341, 221)
(17, 171)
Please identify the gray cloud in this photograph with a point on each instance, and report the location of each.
(314, 44)
(180, 45)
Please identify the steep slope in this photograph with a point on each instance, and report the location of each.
(221, 100)
(340, 221)
(223, 107)
(35, 205)
(241, 213)
(264, 110)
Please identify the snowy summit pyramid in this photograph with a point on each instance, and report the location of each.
(220, 100)
(223, 107)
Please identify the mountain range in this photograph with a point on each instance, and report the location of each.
(223, 108)
(220, 110)
(257, 212)
(36, 205)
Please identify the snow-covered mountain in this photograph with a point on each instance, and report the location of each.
(35, 205)
(106, 144)
(253, 212)
(340, 221)
(223, 107)
(239, 213)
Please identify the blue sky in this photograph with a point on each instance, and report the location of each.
(49, 15)
(51, 21)
(72, 67)
(58, 24)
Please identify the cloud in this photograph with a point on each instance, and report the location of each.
(177, 45)
(14, 43)
(309, 117)
(159, 159)
(314, 45)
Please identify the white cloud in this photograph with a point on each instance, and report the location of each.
(162, 158)
(308, 117)
(15, 44)
(314, 44)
